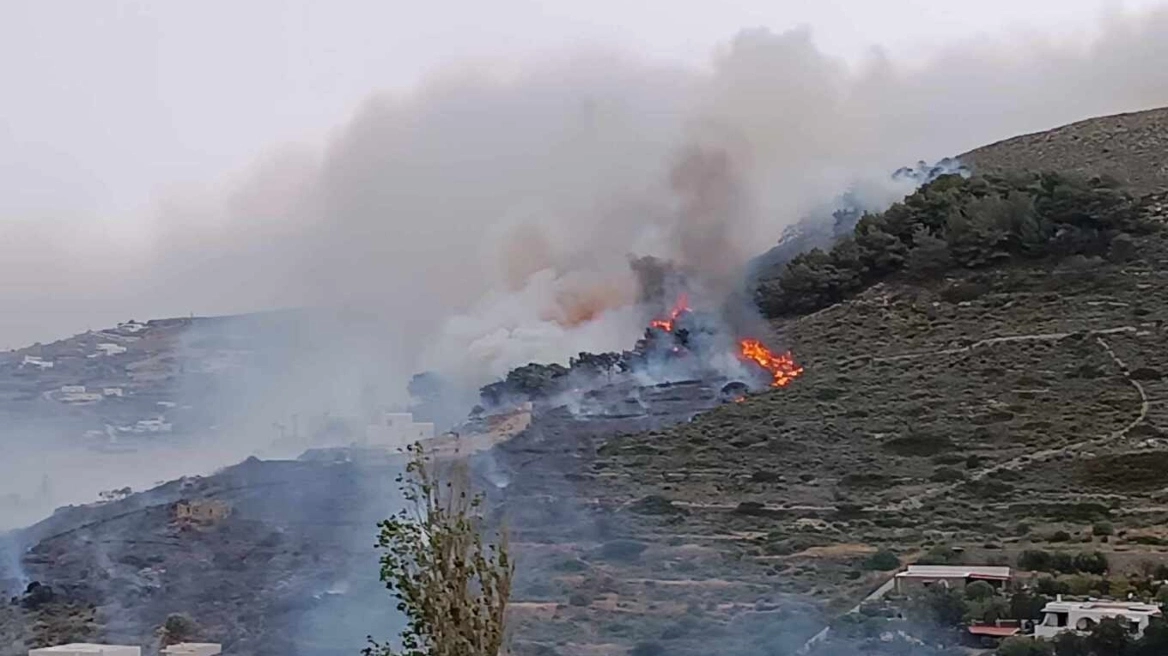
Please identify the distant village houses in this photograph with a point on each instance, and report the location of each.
(77, 394)
(155, 425)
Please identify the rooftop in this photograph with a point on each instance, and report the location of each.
(994, 631)
(1129, 606)
(955, 572)
(88, 647)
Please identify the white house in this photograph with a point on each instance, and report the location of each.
(36, 361)
(397, 430)
(1082, 616)
(87, 649)
(112, 391)
(83, 397)
(109, 348)
(131, 326)
(156, 425)
(72, 389)
(193, 649)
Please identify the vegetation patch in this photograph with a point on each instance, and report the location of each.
(955, 222)
(1125, 472)
(922, 445)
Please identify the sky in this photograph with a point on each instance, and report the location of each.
(109, 108)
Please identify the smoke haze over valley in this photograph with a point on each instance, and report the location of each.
(487, 214)
(248, 251)
(484, 217)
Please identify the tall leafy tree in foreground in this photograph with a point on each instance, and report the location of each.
(452, 587)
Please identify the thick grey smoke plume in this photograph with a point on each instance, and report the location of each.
(488, 217)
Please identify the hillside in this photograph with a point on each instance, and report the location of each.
(983, 410)
(988, 412)
(1129, 147)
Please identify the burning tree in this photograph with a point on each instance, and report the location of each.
(452, 588)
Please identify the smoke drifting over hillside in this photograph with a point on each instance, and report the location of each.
(489, 216)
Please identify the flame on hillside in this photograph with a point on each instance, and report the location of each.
(679, 308)
(782, 367)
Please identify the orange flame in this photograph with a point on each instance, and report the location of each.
(681, 306)
(782, 368)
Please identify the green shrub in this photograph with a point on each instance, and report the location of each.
(1024, 646)
(882, 561)
(1102, 528)
(580, 599)
(622, 550)
(647, 649)
(979, 590)
(1092, 563)
(1034, 560)
(940, 554)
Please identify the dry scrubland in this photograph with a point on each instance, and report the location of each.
(993, 411)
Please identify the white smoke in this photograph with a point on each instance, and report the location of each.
(488, 217)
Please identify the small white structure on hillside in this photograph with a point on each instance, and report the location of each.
(36, 361)
(112, 391)
(109, 348)
(397, 430)
(131, 326)
(1082, 616)
(193, 649)
(948, 576)
(78, 394)
(86, 649)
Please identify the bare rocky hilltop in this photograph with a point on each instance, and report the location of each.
(1129, 147)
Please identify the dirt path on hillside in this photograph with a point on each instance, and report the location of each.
(1021, 461)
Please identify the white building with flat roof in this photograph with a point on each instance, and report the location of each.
(87, 649)
(1082, 616)
(36, 361)
(397, 430)
(193, 649)
(109, 349)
